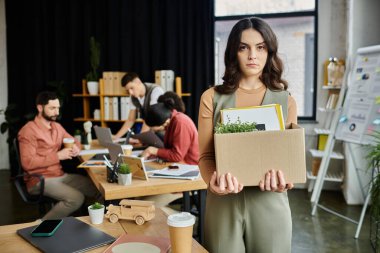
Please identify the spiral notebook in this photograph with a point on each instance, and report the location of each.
(65, 239)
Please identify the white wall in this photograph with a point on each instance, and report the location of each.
(332, 30)
(4, 159)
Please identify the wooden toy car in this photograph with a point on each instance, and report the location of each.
(137, 210)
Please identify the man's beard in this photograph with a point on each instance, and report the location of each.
(49, 118)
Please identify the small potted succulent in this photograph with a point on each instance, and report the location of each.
(96, 212)
(124, 174)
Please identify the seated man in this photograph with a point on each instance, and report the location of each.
(41, 151)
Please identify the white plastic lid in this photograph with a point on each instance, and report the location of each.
(68, 140)
(126, 146)
(183, 219)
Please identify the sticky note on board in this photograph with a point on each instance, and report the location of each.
(342, 119)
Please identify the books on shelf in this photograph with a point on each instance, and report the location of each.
(332, 101)
(116, 108)
(270, 116)
(165, 78)
(112, 83)
(139, 243)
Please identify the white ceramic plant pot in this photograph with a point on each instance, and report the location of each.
(96, 215)
(125, 179)
(93, 87)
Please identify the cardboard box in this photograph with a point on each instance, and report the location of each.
(248, 156)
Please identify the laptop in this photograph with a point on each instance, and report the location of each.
(65, 239)
(104, 136)
(149, 138)
(137, 166)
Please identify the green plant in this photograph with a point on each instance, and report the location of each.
(124, 169)
(94, 60)
(96, 205)
(237, 127)
(373, 158)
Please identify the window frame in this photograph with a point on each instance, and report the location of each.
(313, 14)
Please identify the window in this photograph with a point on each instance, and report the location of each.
(294, 22)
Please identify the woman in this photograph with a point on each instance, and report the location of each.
(181, 136)
(238, 218)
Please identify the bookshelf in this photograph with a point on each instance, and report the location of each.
(92, 102)
(329, 110)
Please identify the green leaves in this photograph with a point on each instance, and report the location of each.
(237, 127)
(94, 60)
(96, 205)
(124, 169)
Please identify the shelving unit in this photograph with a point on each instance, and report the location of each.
(88, 102)
(329, 111)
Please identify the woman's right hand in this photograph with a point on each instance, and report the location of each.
(224, 184)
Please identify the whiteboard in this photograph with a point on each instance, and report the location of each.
(360, 115)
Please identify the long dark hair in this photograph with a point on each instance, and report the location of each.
(158, 113)
(273, 69)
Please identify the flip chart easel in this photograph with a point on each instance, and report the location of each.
(355, 120)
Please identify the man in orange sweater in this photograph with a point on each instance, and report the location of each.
(41, 151)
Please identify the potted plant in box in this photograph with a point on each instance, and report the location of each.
(124, 174)
(96, 212)
(93, 76)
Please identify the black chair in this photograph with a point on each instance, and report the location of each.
(18, 180)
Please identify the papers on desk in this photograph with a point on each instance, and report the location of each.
(93, 151)
(183, 171)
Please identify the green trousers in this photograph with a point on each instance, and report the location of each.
(250, 221)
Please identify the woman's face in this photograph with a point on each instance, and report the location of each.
(252, 53)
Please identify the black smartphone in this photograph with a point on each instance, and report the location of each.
(47, 228)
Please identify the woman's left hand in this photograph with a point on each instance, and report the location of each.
(275, 181)
(149, 151)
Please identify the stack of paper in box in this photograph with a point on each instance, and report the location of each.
(249, 155)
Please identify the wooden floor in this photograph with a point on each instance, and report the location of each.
(319, 234)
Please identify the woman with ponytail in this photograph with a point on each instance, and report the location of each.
(181, 135)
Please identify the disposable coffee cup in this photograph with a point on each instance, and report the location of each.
(181, 232)
(68, 142)
(127, 149)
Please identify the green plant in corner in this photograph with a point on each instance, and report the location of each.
(124, 169)
(96, 205)
(373, 158)
(94, 60)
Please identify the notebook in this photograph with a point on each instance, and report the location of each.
(104, 136)
(72, 236)
(149, 138)
(178, 171)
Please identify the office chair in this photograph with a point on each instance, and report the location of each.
(18, 180)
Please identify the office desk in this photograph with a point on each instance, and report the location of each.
(11, 242)
(155, 186)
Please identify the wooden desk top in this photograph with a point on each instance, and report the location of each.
(140, 187)
(11, 242)
(155, 227)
